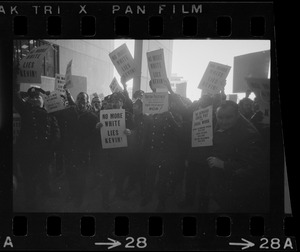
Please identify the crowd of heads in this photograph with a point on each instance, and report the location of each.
(226, 111)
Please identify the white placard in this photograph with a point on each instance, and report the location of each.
(123, 62)
(53, 102)
(115, 86)
(112, 131)
(31, 66)
(155, 103)
(68, 76)
(157, 68)
(255, 65)
(60, 81)
(232, 97)
(47, 83)
(214, 77)
(202, 127)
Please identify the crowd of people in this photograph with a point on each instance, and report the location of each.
(232, 175)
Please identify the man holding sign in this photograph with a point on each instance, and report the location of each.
(115, 124)
(79, 136)
(162, 146)
(232, 168)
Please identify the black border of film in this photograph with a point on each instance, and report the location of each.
(172, 238)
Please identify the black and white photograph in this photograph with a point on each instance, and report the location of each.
(141, 126)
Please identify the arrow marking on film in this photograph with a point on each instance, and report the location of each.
(111, 244)
(246, 244)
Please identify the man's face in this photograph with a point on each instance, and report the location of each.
(247, 106)
(96, 105)
(82, 102)
(226, 117)
(117, 104)
(137, 108)
(107, 105)
(36, 101)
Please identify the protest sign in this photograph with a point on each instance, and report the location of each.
(157, 68)
(112, 131)
(54, 102)
(115, 86)
(101, 96)
(123, 62)
(79, 84)
(68, 75)
(47, 83)
(202, 128)
(214, 78)
(232, 97)
(155, 103)
(31, 66)
(59, 83)
(253, 65)
(261, 88)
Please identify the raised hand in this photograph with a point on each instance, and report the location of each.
(215, 162)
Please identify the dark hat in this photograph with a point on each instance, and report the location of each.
(34, 91)
(138, 94)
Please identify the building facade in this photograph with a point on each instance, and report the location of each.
(89, 59)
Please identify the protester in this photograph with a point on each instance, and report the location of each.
(196, 174)
(246, 107)
(139, 94)
(96, 105)
(158, 166)
(116, 163)
(236, 172)
(61, 156)
(79, 136)
(137, 147)
(37, 140)
(162, 148)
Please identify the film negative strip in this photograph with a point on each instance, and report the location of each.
(141, 126)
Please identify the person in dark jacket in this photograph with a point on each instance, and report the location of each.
(162, 153)
(235, 166)
(60, 157)
(115, 163)
(78, 125)
(38, 136)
